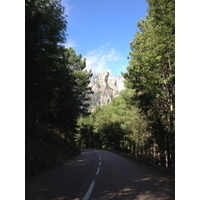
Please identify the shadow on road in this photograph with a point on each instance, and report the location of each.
(119, 178)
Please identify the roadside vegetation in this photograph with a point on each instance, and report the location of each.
(57, 91)
(140, 121)
(45, 150)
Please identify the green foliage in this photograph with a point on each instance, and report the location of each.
(119, 126)
(73, 94)
(45, 27)
(141, 120)
(57, 91)
(151, 73)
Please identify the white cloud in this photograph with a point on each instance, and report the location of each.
(67, 7)
(101, 59)
(70, 43)
(120, 83)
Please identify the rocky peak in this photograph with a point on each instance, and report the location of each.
(103, 81)
(105, 88)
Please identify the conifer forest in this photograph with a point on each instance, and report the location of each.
(139, 122)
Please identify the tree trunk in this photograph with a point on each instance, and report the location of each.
(168, 154)
(66, 129)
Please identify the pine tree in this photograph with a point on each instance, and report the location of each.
(45, 27)
(151, 72)
(73, 94)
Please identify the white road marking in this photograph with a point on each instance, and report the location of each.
(98, 171)
(87, 195)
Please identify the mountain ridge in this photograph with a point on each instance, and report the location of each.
(105, 88)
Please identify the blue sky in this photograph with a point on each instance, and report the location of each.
(101, 30)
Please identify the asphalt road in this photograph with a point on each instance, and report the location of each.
(100, 174)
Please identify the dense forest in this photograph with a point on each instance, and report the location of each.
(56, 90)
(139, 122)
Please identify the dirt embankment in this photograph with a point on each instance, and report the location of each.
(45, 150)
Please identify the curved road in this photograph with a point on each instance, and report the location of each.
(100, 174)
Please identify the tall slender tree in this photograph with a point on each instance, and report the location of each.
(73, 94)
(57, 91)
(45, 31)
(151, 72)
